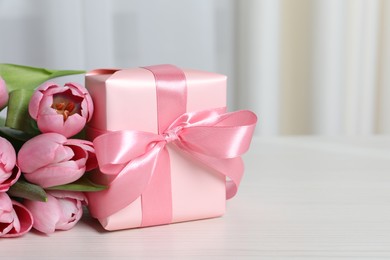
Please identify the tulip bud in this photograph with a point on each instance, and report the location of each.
(64, 110)
(50, 159)
(61, 212)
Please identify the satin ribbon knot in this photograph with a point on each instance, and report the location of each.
(172, 135)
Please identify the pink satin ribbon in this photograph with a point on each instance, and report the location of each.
(171, 94)
(137, 163)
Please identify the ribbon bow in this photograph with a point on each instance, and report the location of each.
(130, 159)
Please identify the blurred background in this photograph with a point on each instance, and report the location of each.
(304, 66)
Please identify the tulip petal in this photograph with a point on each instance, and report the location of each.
(5, 228)
(87, 146)
(5, 185)
(80, 155)
(56, 174)
(23, 221)
(51, 123)
(55, 123)
(54, 89)
(33, 106)
(71, 213)
(69, 194)
(45, 106)
(87, 105)
(91, 162)
(5, 208)
(3, 94)
(46, 214)
(4, 175)
(77, 89)
(73, 125)
(7, 155)
(16, 220)
(71, 206)
(35, 101)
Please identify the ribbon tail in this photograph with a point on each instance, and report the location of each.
(235, 176)
(157, 198)
(232, 168)
(126, 187)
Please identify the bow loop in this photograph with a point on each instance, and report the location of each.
(115, 150)
(221, 135)
(204, 117)
(131, 180)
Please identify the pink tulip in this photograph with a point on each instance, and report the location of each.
(15, 219)
(9, 172)
(61, 211)
(3, 94)
(50, 159)
(63, 110)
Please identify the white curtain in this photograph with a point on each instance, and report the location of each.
(315, 67)
(305, 67)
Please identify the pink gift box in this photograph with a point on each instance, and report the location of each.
(126, 100)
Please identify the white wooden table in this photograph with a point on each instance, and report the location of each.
(301, 198)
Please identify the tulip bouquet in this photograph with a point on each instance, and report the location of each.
(44, 160)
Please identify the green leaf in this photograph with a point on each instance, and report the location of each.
(26, 190)
(17, 113)
(83, 184)
(16, 137)
(25, 77)
(14, 134)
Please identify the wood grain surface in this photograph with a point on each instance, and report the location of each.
(301, 198)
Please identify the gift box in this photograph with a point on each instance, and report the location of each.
(164, 144)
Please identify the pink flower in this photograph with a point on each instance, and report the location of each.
(9, 172)
(50, 159)
(15, 219)
(61, 211)
(63, 110)
(3, 94)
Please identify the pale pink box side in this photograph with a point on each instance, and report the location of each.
(197, 191)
